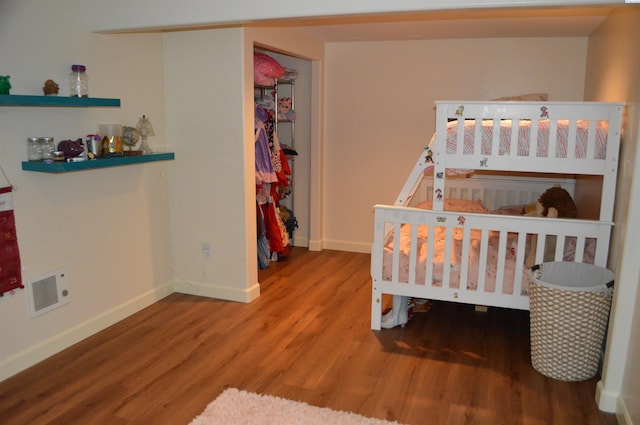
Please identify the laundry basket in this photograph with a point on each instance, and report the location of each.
(569, 310)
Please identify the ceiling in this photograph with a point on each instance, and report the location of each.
(496, 23)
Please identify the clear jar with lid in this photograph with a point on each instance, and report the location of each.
(34, 149)
(48, 147)
(78, 81)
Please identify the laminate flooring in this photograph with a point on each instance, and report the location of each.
(306, 338)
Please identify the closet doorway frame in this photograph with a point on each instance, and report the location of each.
(312, 51)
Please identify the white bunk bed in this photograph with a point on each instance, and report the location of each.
(485, 249)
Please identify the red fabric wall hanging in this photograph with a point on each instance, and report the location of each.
(10, 271)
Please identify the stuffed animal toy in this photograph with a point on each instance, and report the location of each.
(553, 203)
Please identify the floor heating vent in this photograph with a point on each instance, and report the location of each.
(48, 292)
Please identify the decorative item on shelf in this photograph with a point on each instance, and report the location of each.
(146, 129)
(48, 147)
(5, 85)
(34, 149)
(71, 148)
(78, 81)
(50, 88)
(57, 156)
(111, 139)
(94, 146)
(131, 136)
(40, 148)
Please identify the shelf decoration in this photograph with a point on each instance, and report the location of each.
(5, 85)
(51, 88)
(146, 129)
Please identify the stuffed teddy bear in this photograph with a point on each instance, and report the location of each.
(555, 202)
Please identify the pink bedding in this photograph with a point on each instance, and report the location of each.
(439, 235)
(540, 146)
(454, 268)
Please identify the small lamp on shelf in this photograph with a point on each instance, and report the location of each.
(146, 129)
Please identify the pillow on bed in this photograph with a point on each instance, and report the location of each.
(461, 205)
(542, 97)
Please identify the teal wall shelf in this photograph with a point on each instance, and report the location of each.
(63, 101)
(66, 167)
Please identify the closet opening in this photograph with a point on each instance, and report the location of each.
(282, 127)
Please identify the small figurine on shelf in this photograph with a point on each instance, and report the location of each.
(146, 129)
(5, 85)
(50, 88)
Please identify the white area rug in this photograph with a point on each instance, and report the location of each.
(235, 407)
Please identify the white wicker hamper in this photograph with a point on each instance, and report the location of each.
(569, 312)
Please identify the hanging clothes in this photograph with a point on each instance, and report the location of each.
(272, 229)
(263, 244)
(272, 182)
(265, 172)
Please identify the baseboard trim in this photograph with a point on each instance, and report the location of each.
(38, 352)
(364, 248)
(315, 245)
(622, 413)
(607, 401)
(219, 292)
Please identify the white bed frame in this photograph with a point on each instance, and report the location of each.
(496, 192)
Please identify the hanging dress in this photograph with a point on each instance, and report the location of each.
(265, 172)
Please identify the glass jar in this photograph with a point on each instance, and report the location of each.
(34, 149)
(78, 81)
(48, 147)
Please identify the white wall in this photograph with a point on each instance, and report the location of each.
(613, 73)
(380, 112)
(109, 228)
(209, 102)
(204, 73)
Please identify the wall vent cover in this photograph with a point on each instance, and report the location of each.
(48, 292)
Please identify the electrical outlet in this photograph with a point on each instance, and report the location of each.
(206, 249)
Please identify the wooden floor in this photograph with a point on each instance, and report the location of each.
(306, 338)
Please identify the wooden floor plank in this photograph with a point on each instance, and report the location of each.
(306, 338)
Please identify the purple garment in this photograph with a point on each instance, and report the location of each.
(264, 168)
(261, 114)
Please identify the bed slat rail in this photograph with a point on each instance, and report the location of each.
(499, 192)
(512, 235)
(581, 151)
